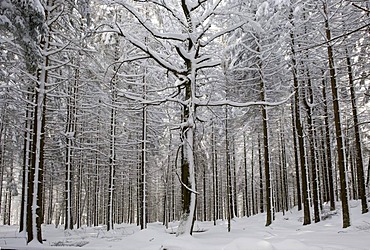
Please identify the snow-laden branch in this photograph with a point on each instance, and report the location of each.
(163, 4)
(328, 42)
(209, 12)
(153, 54)
(55, 17)
(147, 25)
(188, 188)
(156, 102)
(241, 104)
(53, 52)
(120, 63)
(193, 5)
(56, 66)
(221, 33)
(208, 64)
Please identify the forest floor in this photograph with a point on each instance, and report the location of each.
(285, 233)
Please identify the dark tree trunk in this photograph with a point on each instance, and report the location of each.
(261, 174)
(268, 190)
(338, 128)
(229, 191)
(27, 150)
(309, 104)
(328, 159)
(214, 178)
(299, 130)
(359, 160)
(296, 160)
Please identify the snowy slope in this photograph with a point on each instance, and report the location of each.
(286, 233)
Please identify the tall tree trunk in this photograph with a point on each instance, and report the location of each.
(215, 178)
(247, 209)
(112, 140)
(35, 178)
(309, 102)
(71, 126)
(112, 163)
(338, 126)
(27, 150)
(254, 206)
(359, 160)
(266, 154)
(284, 173)
(368, 174)
(229, 194)
(68, 223)
(299, 129)
(328, 149)
(143, 222)
(261, 174)
(204, 184)
(2, 164)
(296, 160)
(188, 136)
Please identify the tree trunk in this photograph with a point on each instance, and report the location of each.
(27, 150)
(261, 174)
(309, 106)
(214, 178)
(328, 149)
(229, 194)
(254, 206)
(266, 154)
(34, 210)
(246, 209)
(188, 136)
(296, 160)
(359, 160)
(338, 128)
(234, 189)
(299, 129)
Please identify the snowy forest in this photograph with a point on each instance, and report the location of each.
(143, 111)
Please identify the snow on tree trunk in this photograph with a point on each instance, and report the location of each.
(187, 40)
(143, 222)
(35, 237)
(188, 178)
(26, 164)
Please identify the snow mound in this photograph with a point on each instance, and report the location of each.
(291, 244)
(249, 244)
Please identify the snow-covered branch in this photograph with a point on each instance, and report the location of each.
(209, 12)
(221, 33)
(242, 104)
(153, 54)
(183, 184)
(147, 25)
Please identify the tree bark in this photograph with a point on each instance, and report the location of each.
(309, 106)
(27, 150)
(328, 149)
(359, 160)
(299, 129)
(265, 131)
(338, 127)
(261, 174)
(229, 194)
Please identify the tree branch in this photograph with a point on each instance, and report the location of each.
(335, 38)
(242, 104)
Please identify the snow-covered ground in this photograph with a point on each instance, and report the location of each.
(286, 233)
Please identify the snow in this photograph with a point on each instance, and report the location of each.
(297, 10)
(285, 233)
(262, 10)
